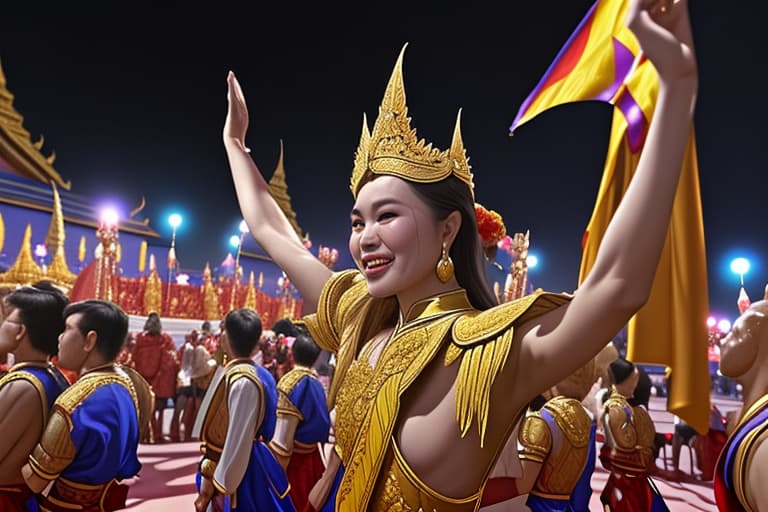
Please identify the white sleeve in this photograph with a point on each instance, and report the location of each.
(244, 406)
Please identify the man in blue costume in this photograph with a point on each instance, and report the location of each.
(238, 414)
(89, 443)
(29, 330)
(303, 421)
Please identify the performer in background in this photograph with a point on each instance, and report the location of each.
(90, 441)
(742, 469)
(237, 470)
(30, 331)
(628, 451)
(558, 449)
(155, 358)
(302, 421)
(432, 374)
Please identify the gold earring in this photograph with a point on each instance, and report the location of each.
(444, 268)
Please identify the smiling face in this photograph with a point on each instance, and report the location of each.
(740, 349)
(396, 241)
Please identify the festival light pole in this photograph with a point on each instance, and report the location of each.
(741, 266)
(175, 221)
(106, 253)
(237, 241)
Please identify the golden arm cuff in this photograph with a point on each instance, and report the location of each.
(55, 451)
(207, 468)
(535, 437)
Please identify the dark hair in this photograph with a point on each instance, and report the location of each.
(447, 196)
(107, 320)
(305, 350)
(153, 324)
(206, 326)
(243, 328)
(285, 327)
(40, 310)
(620, 369)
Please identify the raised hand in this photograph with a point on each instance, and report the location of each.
(663, 30)
(236, 124)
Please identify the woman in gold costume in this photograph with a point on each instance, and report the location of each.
(432, 374)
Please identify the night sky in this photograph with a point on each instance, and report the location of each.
(133, 101)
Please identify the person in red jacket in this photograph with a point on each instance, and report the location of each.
(155, 358)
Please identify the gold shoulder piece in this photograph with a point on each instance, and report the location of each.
(35, 382)
(324, 326)
(145, 398)
(247, 371)
(618, 421)
(535, 438)
(572, 419)
(74, 395)
(483, 340)
(288, 381)
(646, 432)
(284, 387)
(55, 451)
(479, 327)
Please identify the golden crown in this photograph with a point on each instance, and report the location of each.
(393, 148)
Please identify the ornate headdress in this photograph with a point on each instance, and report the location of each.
(393, 148)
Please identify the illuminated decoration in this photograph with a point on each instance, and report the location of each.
(106, 269)
(182, 279)
(741, 266)
(175, 221)
(328, 256)
(724, 326)
(517, 278)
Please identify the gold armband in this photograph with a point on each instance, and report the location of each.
(207, 468)
(535, 437)
(55, 451)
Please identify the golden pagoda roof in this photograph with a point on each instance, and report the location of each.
(16, 147)
(279, 189)
(24, 270)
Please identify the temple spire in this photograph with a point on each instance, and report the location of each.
(279, 189)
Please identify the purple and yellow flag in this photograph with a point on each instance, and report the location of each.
(602, 61)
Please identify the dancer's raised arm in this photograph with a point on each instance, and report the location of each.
(266, 221)
(621, 278)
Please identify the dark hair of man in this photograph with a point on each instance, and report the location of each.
(107, 320)
(40, 310)
(206, 326)
(305, 350)
(285, 327)
(243, 328)
(153, 324)
(444, 197)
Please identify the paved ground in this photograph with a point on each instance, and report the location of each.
(167, 477)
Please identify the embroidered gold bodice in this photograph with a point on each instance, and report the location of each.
(367, 399)
(399, 489)
(558, 438)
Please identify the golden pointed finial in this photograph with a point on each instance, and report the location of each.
(52, 158)
(211, 308)
(250, 295)
(2, 232)
(81, 250)
(39, 144)
(279, 190)
(136, 210)
(142, 256)
(394, 149)
(56, 235)
(24, 270)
